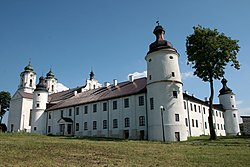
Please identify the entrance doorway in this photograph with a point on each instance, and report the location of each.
(69, 129)
(177, 136)
(126, 134)
(142, 134)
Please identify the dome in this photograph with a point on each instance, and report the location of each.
(29, 68)
(50, 74)
(160, 43)
(41, 85)
(225, 89)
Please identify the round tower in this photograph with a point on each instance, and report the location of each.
(27, 79)
(51, 82)
(227, 99)
(40, 99)
(166, 115)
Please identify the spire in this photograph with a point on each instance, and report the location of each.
(28, 68)
(41, 85)
(160, 42)
(91, 75)
(225, 89)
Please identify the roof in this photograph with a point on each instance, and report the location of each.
(65, 119)
(104, 93)
(245, 116)
(26, 95)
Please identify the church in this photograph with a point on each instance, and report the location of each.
(150, 108)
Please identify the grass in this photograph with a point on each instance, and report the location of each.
(22, 149)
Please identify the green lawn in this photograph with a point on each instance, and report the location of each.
(17, 149)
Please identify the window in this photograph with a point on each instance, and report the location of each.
(34, 128)
(191, 107)
(126, 122)
(218, 125)
(38, 94)
(70, 112)
(104, 124)
(52, 88)
(192, 123)
(173, 74)
(186, 121)
(94, 107)
(94, 125)
(221, 127)
(195, 108)
(85, 109)
(85, 125)
(141, 100)
(204, 110)
(177, 117)
(171, 57)
(115, 123)
(184, 103)
(114, 105)
(205, 125)
(216, 113)
(126, 103)
(61, 113)
(104, 106)
(151, 100)
(30, 82)
(49, 129)
(199, 109)
(149, 60)
(232, 106)
(141, 121)
(49, 115)
(150, 77)
(62, 128)
(30, 117)
(77, 126)
(175, 95)
(234, 115)
(220, 114)
(196, 123)
(77, 110)
(37, 105)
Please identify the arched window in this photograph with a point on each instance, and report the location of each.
(30, 82)
(52, 88)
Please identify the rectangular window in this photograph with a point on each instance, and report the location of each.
(61, 113)
(141, 100)
(37, 105)
(49, 115)
(115, 123)
(195, 108)
(196, 123)
(186, 120)
(49, 129)
(77, 126)
(114, 105)
(94, 125)
(205, 125)
(104, 106)
(85, 125)
(126, 122)
(151, 100)
(70, 112)
(192, 123)
(94, 107)
(77, 110)
(104, 124)
(126, 103)
(199, 109)
(216, 113)
(173, 74)
(85, 109)
(220, 114)
(175, 95)
(204, 110)
(221, 127)
(29, 118)
(218, 125)
(191, 107)
(141, 121)
(177, 117)
(184, 103)
(234, 115)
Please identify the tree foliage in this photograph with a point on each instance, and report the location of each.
(4, 103)
(209, 52)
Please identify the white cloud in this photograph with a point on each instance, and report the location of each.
(186, 75)
(239, 102)
(60, 87)
(138, 74)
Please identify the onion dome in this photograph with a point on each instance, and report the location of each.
(159, 43)
(91, 75)
(41, 85)
(225, 89)
(28, 68)
(50, 74)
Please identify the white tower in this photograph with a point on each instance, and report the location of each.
(166, 115)
(51, 82)
(227, 99)
(91, 83)
(40, 99)
(27, 79)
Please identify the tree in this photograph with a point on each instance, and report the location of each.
(209, 52)
(4, 103)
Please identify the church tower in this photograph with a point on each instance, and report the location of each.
(227, 99)
(27, 79)
(91, 83)
(166, 115)
(51, 82)
(40, 99)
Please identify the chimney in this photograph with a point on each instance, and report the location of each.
(131, 78)
(115, 82)
(75, 92)
(106, 84)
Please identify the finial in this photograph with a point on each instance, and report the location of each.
(157, 22)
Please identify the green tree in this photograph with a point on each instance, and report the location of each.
(209, 52)
(4, 103)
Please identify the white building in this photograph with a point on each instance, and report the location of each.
(153, 108)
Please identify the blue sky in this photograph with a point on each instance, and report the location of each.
(112, 37)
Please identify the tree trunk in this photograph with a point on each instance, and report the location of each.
(210, 117)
